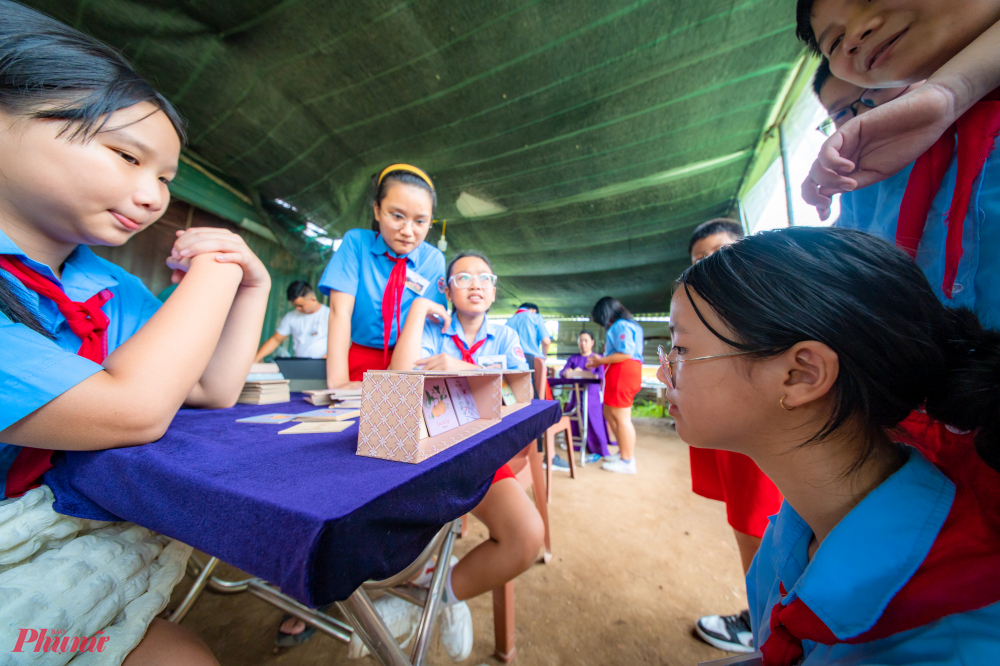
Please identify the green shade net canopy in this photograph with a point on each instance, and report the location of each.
(576, 142)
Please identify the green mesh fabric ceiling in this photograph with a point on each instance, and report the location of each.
(585, 138)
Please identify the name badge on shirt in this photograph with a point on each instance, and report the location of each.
(416, 282)
(493, 362)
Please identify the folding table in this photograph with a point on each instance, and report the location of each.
(309, 519)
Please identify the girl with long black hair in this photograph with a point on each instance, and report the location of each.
(622, 378)
(89, 359)
(824, 355)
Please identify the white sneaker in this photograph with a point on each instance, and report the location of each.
(613, 457)
(456, 630)
(401, 617)
(620, 466)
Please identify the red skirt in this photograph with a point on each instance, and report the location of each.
(622, 382)
(504, 472)
(361, 359)
(735, 479)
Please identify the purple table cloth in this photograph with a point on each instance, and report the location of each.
(597, 429)
(300, 511)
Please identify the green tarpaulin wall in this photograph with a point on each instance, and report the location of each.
(598, 133)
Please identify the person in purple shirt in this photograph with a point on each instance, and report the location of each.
(597, 429)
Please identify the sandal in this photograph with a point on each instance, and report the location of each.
(293, 640)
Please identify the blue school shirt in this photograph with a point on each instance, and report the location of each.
(875, 210)
(500, 341)
(624, 337)
(860, 566)
(360, 268)
(530, 329)
(34, 369)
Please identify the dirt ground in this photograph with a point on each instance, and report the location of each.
(636, 560)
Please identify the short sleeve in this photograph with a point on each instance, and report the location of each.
(437, 266)
(513, 351)
(34, 370)
(344, 270)
(285, 325)
(542, 331)
(430, 342)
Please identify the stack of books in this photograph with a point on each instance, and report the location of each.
(338, 397)
(265, 385)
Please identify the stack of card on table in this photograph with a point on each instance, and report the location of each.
(340, 397)
(447, 404)
(265, 385)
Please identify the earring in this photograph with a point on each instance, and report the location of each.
(782, 403)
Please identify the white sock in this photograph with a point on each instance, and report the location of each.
(447, 594)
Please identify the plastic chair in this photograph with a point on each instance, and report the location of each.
(564, 426)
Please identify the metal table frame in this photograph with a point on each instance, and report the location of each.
(358, 608)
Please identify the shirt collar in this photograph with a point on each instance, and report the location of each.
(83, 274)
(871, 554)
(379, 248)
(455, 328)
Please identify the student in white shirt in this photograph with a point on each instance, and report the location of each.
(307, 324)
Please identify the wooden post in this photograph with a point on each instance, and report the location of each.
(503, 622)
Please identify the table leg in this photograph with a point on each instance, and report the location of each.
(503, 622)
(434, 593)
(196, 589)
(582, 402)
(369, 626)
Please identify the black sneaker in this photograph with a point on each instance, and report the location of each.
(727, 632)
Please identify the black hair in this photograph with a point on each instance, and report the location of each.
(585, 332)
(821, 76)
(49, 71)
(607, 311)
(803, 25)
(720, 225)
(898, 347)
(377, 191)
(463, 255)
(298, 289)
(528, 306)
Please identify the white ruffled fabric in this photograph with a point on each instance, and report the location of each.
(79, 577)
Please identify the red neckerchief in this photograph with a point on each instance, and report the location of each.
(521, 310)
(392, 302)
(466, 352)
(976, 130)
(90, 325)
(961, 572)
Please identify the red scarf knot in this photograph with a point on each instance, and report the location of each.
(392, 302)
(976, 131)
(88, 323)
(466, 352)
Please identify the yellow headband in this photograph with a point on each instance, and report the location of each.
(409, 169)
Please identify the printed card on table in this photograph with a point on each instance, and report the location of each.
(439, 411)
(461, 397)
(268, 418)
(328, 414)
(314, 427)
(507, 393)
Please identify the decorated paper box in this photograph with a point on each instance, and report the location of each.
(392, 407)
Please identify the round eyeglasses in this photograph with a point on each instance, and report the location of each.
(669, 369)
(465, 280)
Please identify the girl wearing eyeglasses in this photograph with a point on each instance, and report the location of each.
(825, 356)
(435, 339)
(374, 276)
(623, 377)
